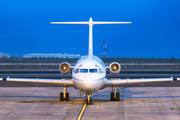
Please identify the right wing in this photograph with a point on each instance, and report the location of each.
(36, 80)
(142, 80)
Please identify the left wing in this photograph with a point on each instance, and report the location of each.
(142, 80)
(36, 80)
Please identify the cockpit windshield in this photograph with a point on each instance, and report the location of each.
(83, 70)
(92, 70)
(77, 70)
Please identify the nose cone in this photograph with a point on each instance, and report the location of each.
(88, 79)
(88, 83)
(91, 83)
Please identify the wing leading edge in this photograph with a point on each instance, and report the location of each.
(142, 80)
(36, 80)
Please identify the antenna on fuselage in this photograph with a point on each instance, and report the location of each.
(90, 23)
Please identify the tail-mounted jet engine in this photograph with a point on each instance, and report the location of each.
(65, 68)
(114, 68)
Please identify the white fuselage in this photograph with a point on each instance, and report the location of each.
(89, 74)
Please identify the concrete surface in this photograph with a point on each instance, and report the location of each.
(137, 103)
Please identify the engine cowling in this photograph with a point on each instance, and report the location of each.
(65, 68)
(114, 68)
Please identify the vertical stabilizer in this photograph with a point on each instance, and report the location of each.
(90, 37)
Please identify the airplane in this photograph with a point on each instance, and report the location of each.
(89, 73)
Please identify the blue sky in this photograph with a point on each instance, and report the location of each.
(155, 30)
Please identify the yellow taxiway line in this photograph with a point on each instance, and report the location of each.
(82, 111)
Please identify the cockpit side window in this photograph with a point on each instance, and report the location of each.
(100, 70)
(77, 70)
(92, 70)
(83, 70)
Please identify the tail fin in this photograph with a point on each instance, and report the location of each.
(90, 23)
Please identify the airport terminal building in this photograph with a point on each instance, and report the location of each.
(4, 55)
(51, 55)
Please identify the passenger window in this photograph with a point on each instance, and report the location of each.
(83, 70)
(77, 70)
(92, 70)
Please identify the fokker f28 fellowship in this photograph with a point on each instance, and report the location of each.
(89, 73)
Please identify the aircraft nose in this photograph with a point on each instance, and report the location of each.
(88, 78)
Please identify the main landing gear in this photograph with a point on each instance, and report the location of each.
(64, 95)
(115, 96)
(88, 99)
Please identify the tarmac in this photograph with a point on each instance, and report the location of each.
(27, 101)
(137, 103)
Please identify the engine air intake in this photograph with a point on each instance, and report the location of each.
(65, 68)
(114, 68)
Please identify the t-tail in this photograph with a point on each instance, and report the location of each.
(91, 23)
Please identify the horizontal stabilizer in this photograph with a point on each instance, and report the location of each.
(85, 23)
(112, 23)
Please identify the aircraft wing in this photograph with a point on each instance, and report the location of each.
(36, 80)
(142, 80)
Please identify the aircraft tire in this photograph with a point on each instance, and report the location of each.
(91, 101)
(86, 101)
(67, 96)
(117, 96)
(112, 96)
(61, 96)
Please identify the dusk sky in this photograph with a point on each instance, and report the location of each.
(155, 30)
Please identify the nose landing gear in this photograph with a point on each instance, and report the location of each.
(88, 98)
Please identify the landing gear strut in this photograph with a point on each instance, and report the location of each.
(115, 96)
(88, 98)
(64, 95)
